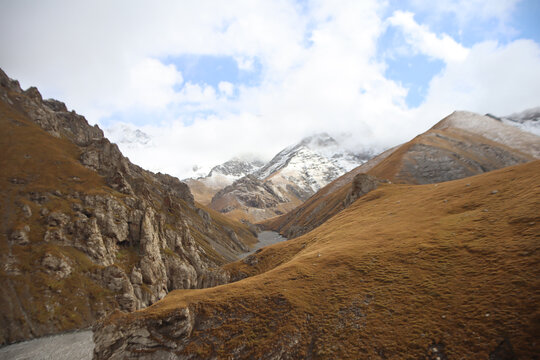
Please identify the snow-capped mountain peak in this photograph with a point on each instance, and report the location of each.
(292, 176)
(317, 151)
(126, 136)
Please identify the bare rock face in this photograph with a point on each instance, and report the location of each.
(253, 196)
(121, 245)
(56, 265)
(427, 164)
(361, 185)
(20, 236)
(163, 335)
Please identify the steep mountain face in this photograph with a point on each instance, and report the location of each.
(528, 120)
(220, 176)
(290, 178)
(461, 145)
(84, 232)
(444, 271)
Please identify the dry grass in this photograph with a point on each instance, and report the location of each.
(401, 269)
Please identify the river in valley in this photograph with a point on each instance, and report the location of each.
(266, 238)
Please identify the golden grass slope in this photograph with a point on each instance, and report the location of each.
(406, 272)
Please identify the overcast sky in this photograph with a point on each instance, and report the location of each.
(209, 80)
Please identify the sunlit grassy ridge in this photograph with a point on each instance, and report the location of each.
(404, 269)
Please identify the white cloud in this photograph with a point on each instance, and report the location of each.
(423, 40)
(318, 71)
(226, 88)
(244, 63)
(152, 83)
(495, 78)
(195, 93)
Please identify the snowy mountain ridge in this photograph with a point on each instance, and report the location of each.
(311, 164)
(493, 129)
(126, 136)
(292, 176)
(236, 168)
(528, 120)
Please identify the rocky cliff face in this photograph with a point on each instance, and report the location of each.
(84, 231)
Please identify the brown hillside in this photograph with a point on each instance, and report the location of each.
(201, 192)
(445, 270)
(76, 242)
(443, 153)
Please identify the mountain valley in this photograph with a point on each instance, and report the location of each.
(428, 250)
(444, 270)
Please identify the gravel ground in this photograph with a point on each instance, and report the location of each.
(71, 346)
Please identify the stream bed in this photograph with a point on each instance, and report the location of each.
(266, 238)
(70, 346)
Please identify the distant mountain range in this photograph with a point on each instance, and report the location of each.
(253, 191)
(295, 173)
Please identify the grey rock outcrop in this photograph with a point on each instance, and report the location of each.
(361, 185)
(164, 335)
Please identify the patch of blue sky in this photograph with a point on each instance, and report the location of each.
(412, 70)
(414, 73)
(526, 20)
(211, 70)
(466, 33)
(521, 23)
